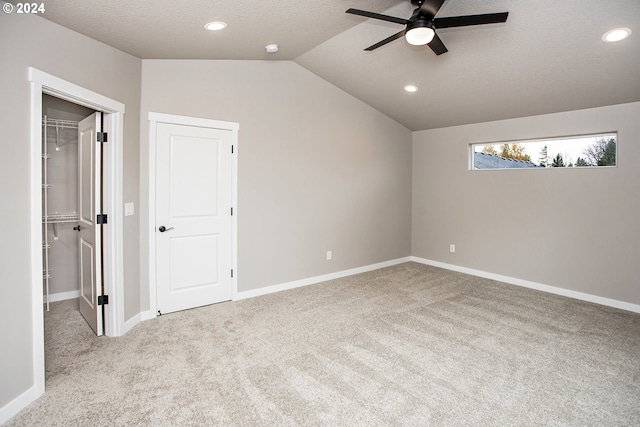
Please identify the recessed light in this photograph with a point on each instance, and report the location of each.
(271, 48)
(216, 26)
(411, 88)
(616, 35)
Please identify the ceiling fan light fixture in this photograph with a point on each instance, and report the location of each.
(419, 33)
(616, 35)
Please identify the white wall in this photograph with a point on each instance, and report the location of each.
(577, 229)
(318, 169)
(30, 41)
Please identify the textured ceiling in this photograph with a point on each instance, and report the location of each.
(174, 29)
(547, 57)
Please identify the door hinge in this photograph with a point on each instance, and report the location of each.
(101, 219)
(103, 299)
(232, 272)
(232, 149)
(231, 211)
(102, 136)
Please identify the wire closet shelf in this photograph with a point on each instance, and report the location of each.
(56, 217)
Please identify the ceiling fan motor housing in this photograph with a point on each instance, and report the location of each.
(421, 23)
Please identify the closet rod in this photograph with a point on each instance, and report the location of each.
(61, 123)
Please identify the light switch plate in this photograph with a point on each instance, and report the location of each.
(128, 209)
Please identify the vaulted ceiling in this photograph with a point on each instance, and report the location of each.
(548, 57)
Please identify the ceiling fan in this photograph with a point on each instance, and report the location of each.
(421, 26)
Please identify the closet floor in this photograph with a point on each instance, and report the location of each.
(66, 336)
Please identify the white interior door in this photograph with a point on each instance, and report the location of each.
(193, 216)
(89, 236)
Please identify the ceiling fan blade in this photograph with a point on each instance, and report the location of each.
(378, 16)
(437, 46)
(387, 40)
(463, 21)
(431, 7)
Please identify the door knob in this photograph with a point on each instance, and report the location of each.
(77, 228)
(162, 228)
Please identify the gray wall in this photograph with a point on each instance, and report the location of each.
(318, 169)
(33, 41)
(577, 229)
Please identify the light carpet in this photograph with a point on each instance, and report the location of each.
(404, 345)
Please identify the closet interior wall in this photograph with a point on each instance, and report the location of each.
(60, 198)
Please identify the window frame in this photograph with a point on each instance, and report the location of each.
(598, 135)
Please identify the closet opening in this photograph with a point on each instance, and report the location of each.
(71, 201)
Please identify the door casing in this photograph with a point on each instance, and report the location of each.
(154, 119)
(42, 82)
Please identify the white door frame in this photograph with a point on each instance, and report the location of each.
(42, 82)
(154, 119)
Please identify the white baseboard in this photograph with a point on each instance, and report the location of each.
(317, 279)
(135, 320)
(147, 315)
(12, 408)
(533, 285)
(62, 296)
(129, 324)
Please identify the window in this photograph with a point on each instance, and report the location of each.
(564, 152)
